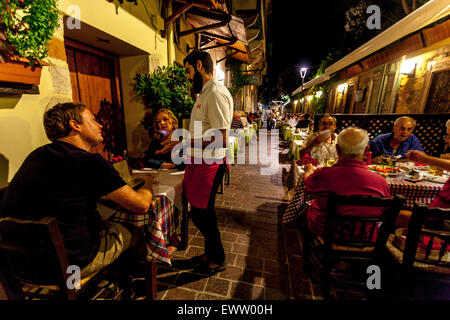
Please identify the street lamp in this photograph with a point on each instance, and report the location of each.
(303, 74)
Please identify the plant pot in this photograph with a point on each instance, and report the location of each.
(17, 69)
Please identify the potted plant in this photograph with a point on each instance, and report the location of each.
(166, 87)
(26, 27)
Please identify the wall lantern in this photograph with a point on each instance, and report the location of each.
(408, 67)
(309, 98)
(220, 75)
(341, 88)
(296, 101)
(319, 94)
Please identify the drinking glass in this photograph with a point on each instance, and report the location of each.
(330, 162)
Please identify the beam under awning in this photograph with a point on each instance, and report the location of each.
(228, 31)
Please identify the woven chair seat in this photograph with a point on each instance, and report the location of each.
(397, 254)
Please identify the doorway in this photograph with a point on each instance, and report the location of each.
(95, 80)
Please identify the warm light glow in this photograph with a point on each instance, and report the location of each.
(303, 72)
(301, 100)
(341, 88)
(220, 75)
(319, 94)
(296, 101)
(309, 98)
(408, 66)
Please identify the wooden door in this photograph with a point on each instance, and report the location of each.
(94, 76)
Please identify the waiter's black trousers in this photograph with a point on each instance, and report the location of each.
(205, 220)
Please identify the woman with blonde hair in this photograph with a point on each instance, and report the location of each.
(158, 155)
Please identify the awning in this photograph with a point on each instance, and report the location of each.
(428, 13)
(226, 30)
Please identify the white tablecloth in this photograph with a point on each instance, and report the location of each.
(167, 182)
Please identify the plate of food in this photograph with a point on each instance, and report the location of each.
(385, 171)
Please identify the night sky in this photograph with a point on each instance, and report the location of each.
(302, 33)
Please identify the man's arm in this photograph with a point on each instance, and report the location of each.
(421, 157)
(134, 201)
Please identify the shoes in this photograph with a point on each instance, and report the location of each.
(205, 269)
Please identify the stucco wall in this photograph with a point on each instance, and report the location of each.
(21, 129)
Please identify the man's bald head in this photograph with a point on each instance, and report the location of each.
(403, 128)
(352, 142)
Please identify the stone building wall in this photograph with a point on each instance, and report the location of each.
(412, 91)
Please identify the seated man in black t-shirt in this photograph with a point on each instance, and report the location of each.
(64, 180)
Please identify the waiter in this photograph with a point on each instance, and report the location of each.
(209, 127)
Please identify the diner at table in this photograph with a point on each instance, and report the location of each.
(398, 142)
(64, 180)
(414, 180)
(349, 176)
(321, 146)
(159, 154)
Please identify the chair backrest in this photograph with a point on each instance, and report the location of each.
(33, 252)
(360, 231)
(428, 237)
(2, 193)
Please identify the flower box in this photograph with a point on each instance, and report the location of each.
(18, 69)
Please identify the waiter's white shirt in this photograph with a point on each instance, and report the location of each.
(214, 109)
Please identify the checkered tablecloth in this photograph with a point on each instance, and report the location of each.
(422, 192)
(159, 227)
(298, 205)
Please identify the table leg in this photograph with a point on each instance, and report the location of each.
(151, 282)
(184, 224)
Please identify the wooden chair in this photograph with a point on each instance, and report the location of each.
(38, 268)
(354, 241)
(424, 266)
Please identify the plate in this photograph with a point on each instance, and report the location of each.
(436, 179)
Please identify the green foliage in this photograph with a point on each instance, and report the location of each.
(28, 26)
(319, 104)
(286, 98)
(238, 80)
(166, 87)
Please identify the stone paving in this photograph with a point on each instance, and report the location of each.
(263, 257)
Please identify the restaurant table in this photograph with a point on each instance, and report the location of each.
(233, 148)
(295, 149)
(422, 192)
(245, 133)
(159, 225)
